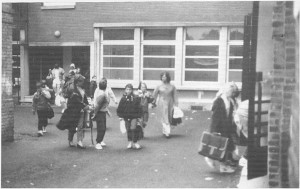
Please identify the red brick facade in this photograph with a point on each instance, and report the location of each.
(76, 25)
(7, 99)
(283, 127)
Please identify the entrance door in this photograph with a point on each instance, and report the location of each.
(41, 59)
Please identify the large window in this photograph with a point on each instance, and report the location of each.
(118, 54)
(158, 53)
(192, 55)
(201, 58)
(235, 54)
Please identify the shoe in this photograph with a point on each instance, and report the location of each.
(129, 145)
(98, 146)
(44, 130)
(80, 147)
(102, 143)
(71, 144)
(137, 146)
(226, 169)
(40, 133)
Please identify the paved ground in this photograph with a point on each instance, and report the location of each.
(47, 161)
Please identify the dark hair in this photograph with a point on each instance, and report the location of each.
(167, 76)
(140, 85)
(102, 85)
(129, 86)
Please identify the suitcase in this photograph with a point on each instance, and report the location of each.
(213, 145)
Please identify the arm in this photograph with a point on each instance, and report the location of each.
(155, 95)
(175, 96)
(46, 93)
(120, 108)
(34, 103)
(216, 116)
(111, 94)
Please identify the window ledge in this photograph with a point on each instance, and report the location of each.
(58, 7)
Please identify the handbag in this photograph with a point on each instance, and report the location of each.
(213, 146)
(122, 126)
(50, 112)
(177, 114)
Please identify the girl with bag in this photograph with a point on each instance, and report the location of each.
(146, 99)
(40, 104)
(100, 111)
(130, 111)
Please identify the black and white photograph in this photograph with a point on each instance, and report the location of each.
(150, 94)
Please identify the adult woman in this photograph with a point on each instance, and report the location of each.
(166, 101)
(222, 122)
(73, 117)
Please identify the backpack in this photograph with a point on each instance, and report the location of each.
(68, 87)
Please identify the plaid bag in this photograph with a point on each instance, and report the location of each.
(213, 145)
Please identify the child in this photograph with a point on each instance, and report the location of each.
(146, 98)
(130, 110)
(40, 105)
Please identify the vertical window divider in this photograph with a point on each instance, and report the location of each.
(223, 51)
(97, 37)
(179, 57)
(137, 55)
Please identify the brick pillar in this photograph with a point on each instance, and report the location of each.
(283, 88)
(7, 98)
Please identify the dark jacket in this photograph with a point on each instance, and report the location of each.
(220, 122)
(70, 117)
(129, 107)
(93, 86)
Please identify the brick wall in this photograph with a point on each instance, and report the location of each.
(283, 91)
(77, 24)
(7, 99)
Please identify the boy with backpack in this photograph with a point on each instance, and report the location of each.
(130, 111)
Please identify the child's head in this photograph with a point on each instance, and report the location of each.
(38, 85)
(142, 86)
(102, 84)
(128, 89)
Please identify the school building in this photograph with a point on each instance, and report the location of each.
(202, 44)
(199, 43)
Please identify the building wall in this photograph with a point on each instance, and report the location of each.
(7, 108)
(77, 24)
(283, 126)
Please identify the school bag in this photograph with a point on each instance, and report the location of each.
(68, 87)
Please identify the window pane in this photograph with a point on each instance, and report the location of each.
(118, 62)
(235, 63)
(202, 33)
(159, 34)
(202, 50)
(201, 76)
(236, 50)
(118, 49)
(201, 63)
(236, 34)
(16, 49)
(118, 74)
(235, 76)
(15, 34)
(159, 62)
(16, 61)
(155, 74)
(158, 50)
(117, 34)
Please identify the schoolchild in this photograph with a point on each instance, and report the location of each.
(146, 99)
(130, 110)
(40, 104)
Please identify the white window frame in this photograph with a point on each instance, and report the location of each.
(135, 68)
(221, 62)
(157, 43)
(58, 5)
(233, 43)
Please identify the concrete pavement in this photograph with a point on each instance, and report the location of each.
(48, 161)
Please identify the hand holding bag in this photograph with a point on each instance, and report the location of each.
(213, 146)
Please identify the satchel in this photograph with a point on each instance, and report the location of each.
(122, 126)
(50, 112)
(213, 146)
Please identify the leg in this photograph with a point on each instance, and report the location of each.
(40, 122)
(101, 126)
(80, 130)
(70, 137)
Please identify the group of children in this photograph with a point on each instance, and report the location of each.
(132, 109)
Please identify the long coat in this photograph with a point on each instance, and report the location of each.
(70, 117)
(221, 123)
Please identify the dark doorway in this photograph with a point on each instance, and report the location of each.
(41, 59)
